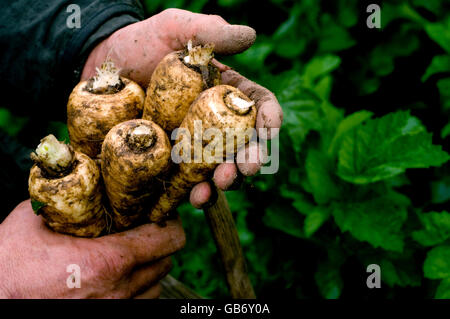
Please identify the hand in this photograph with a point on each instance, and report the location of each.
(138, 48)
(34, 259)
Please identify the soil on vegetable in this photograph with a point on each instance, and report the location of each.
(210, 73)
(110, 89)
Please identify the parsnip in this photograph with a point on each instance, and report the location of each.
(98, 104)
(222, 107)
(176, 82)
(66, 184)
(135, 155)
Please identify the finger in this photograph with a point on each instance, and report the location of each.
(225, 175)
(148, 242)
(270, 114)
(250, 158)
(148, 275)
(222, 67)
(24, 215)
(203, 29)
(24, 212)
(200, 194)
(154, 292)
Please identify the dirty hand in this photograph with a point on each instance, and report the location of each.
(34, 259)
(137, 49)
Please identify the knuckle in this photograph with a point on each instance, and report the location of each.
(122, 293)
(111, 262)
(216, 18)
(168, 264)
(157, 291)
(171, 12)
(180, 240)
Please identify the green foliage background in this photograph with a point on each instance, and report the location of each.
(364, 174)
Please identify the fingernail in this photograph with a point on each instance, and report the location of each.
(237, 182)
(212, 198)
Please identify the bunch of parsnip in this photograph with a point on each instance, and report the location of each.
(118, 165)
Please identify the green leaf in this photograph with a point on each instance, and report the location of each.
(302, 112)
(239, 204)
(333, 37)
(385, 147)
(301, 107)
(329, 281)
(36, 206)
(440, 33)
(254, 57)
(440, 191)
(10, 123)
(328, 277)
(59, 129)
(228, 3)
(437, 263)
(376, 220)
(436, 228)
(286, 220)
(439, 64)
(397, 269)
(238, 201)
(401, 273)
(153, 5)
(323, 87)
(402, 43)
(315, 219)
(287, 42)
(348, 13)
(300, 202)
(198, 269)
(332, 116)
(302, 116)
(319, 172)
(434, 6)
(445, 131)
(320, 66)
(444, 90)
(197, 6)
(443, 290)
(347, 124)
(173, 4)
(382, 64)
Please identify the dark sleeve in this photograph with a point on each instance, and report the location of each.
(16, 164)
(41, 57)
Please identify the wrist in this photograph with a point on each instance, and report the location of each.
(4, 292)
(5, 273)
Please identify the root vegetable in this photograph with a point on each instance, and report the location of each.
(135, 155)
(176, 82)
(222, 107)
(67, 187)
(98, 104)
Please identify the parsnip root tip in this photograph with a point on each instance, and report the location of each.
(141, 137)
(107, 79)
(53, 156)
(240, 104)
(199, 55)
